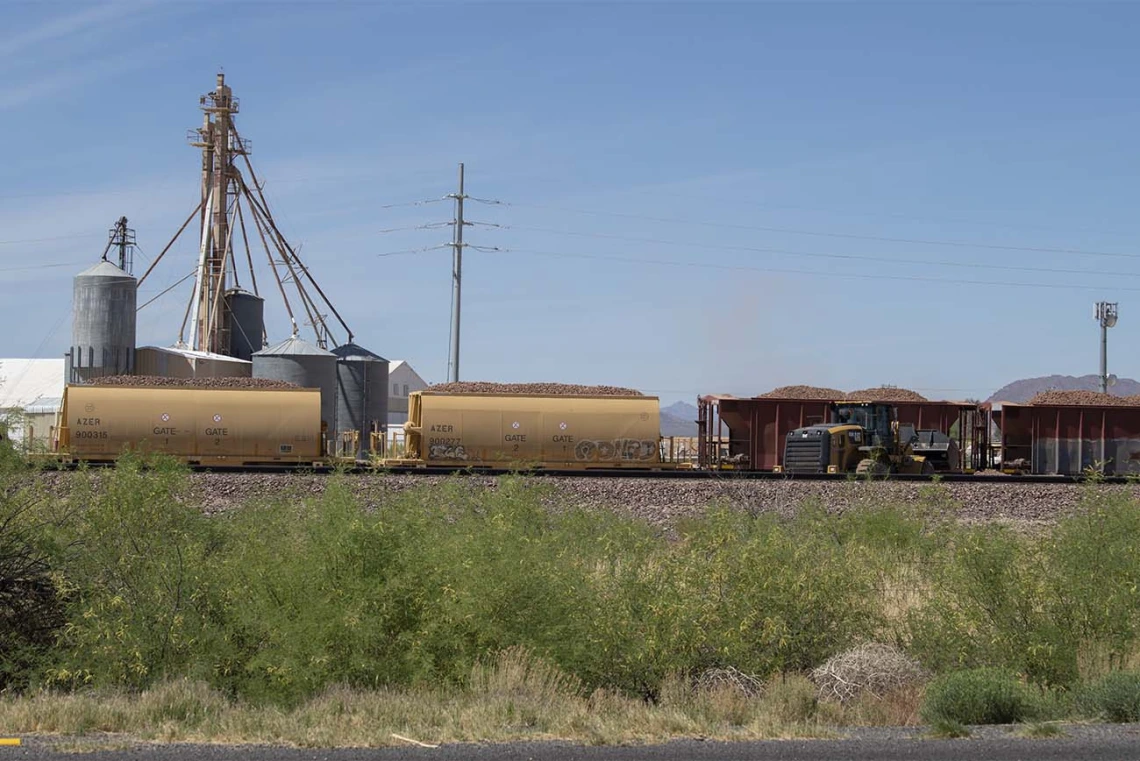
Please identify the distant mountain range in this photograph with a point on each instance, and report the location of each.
(679, 419)
(1022, 391)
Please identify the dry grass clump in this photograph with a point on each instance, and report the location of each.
(871, 669)
(513, 696)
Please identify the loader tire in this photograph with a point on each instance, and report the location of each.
(871, 468)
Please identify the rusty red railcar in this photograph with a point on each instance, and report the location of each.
(748, 433)
(1069, 440)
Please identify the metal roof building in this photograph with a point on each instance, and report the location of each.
(23, 381)
(31, 393)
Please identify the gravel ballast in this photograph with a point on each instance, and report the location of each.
(663, 502)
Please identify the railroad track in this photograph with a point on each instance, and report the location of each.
(681, 475)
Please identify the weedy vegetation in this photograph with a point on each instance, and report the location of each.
(453, 614)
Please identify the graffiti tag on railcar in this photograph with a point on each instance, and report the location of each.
(619, 449)
(446, 451)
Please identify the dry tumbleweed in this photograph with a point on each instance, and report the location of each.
(746, 684)
(871, 668)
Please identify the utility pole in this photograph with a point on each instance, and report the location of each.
(1106, 316)
(456, 280)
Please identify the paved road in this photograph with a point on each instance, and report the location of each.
(1089, 743)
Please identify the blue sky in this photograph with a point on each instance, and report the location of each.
(697, 198)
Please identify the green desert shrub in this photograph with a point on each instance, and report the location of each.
(978, 696)
(1115, 697)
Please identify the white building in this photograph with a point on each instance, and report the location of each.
(402, 381)
(31, 393)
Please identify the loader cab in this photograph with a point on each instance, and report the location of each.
(875, 418)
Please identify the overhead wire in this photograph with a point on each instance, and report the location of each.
(412, 203)
(815, 255)
(851, 236)
(168, 290)
(428, 226)
(41, 266)
(406, 251)
(814, 273)
(76, 236)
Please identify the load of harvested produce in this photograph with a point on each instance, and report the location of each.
(486, 387)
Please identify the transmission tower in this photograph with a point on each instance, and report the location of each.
(456, 279)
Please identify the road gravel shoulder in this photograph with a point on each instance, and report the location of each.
(1092, 742)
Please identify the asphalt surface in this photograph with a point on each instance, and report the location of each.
(1086, 742)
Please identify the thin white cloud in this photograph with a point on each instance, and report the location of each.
(61, 27)
(69, 78)
(67, 52)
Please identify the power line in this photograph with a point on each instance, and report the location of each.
(817, 255)
(412, 203)
(428, 226)
(45, 240)
(406, 251)
(850, 236)
(43, 266)
(789, 271)
(891, 215)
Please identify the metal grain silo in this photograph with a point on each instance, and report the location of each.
(361, 398)
(304, 364)
(245, 323)
(103, 323)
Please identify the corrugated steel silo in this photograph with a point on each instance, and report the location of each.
(361, 397)
(103, 323)
(245, 323)
(304, 364)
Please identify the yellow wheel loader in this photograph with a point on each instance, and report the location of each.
(862, 437)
